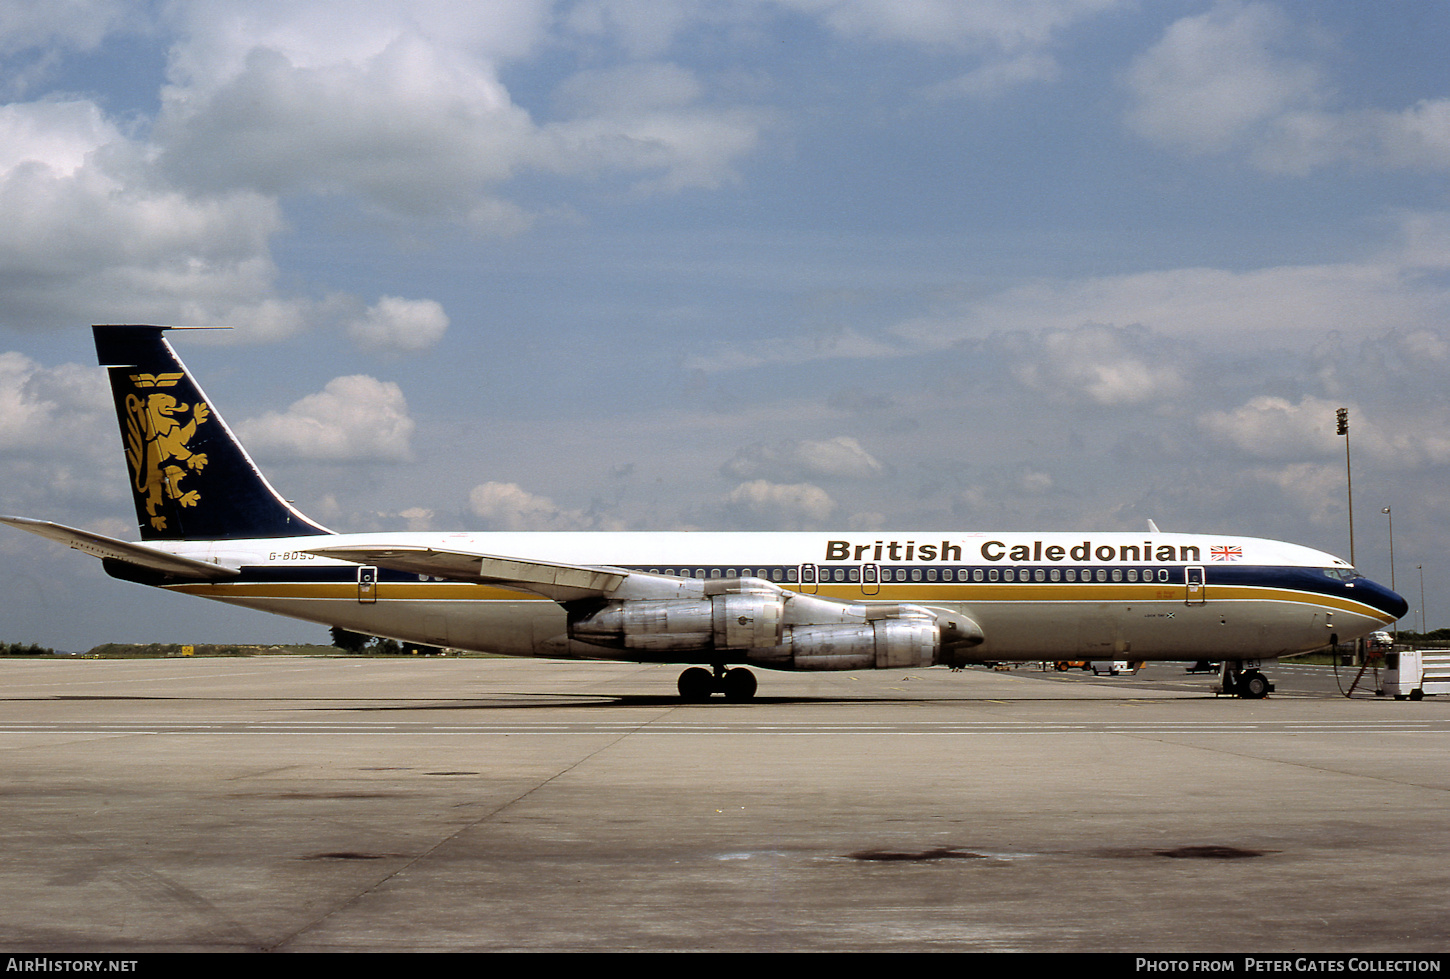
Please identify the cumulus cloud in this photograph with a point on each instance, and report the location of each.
(53, 134)
(1215, 76)
(763, 505)
(1227, 79)
(396, 107)
(418, 518)
(76, 24)
(86, 234)
(1269, 427)
(353, 419)
(1103, 365)
(405, 110)
(59, 443)
(1276, 429)
(216, 38)
(413, 130)
(51, 410)
(1417, 138)
(508, 506)
(394, 325)
(841, 458)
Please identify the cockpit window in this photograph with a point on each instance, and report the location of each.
(1341, 574)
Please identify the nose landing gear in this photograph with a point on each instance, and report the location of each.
(1236, 681)
(697, 684)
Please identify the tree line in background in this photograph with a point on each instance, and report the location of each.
(348, 642)
(16, 649)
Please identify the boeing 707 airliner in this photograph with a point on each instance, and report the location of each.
(211, 525)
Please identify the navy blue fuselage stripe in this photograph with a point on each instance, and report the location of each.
(1310, 580)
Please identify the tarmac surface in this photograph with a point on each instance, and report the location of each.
(336, 804)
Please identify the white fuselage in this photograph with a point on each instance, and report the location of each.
(1035, 596)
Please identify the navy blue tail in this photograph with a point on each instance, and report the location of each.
(190, 477)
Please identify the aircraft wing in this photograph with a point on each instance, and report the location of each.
(119, 550)
(561, 582)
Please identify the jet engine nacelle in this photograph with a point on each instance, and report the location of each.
(882, 644)
(737, 621)
(763, 624)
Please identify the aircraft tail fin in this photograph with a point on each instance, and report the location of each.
(190, 477)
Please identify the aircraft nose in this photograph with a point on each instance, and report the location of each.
(1389, 602)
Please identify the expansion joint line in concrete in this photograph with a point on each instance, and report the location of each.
(418, 858)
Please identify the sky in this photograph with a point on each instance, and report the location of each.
(735, 265)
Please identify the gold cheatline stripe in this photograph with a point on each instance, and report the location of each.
(913, 592)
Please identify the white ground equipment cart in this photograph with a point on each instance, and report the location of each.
(1415, 673)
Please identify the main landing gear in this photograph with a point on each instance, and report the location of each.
(697, 684)
(1241, 678)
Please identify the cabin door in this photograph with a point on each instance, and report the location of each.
(807, 579)
(367, 585)
(1195, 588)
(870, 580)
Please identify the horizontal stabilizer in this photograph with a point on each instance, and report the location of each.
(119, 550)
(561, 582)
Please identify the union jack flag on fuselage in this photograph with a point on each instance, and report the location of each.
(1228, 552)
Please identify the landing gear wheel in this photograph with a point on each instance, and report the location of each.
(695, 685)
(1253, 685)
(738, 684)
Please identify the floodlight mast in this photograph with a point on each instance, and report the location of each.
(1343, 416)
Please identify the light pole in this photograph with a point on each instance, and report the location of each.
(1343, 415)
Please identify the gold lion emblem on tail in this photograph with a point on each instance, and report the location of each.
(157, 437)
